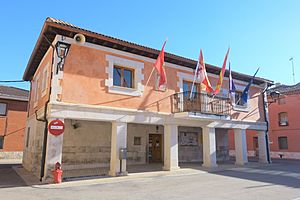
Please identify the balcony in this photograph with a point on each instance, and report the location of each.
(200, 103)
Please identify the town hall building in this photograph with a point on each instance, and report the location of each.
(114, 118)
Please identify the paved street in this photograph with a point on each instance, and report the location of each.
(8, 177)
(281, 181)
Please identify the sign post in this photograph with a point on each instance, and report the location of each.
(56, 127)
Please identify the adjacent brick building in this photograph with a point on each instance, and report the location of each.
(285, 122)
(284, 126)
(13, 114)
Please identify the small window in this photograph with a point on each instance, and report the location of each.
(1, 142)
(123, 77)
(283, 119)
(282, 143)
(281, 101)
(35, 89)
(137, 141)
(44, 79)
(28, 135)
(238, 98)
(3, 109)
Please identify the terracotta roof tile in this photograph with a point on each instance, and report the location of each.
(286, 89)
(8, 92)
(54, 26)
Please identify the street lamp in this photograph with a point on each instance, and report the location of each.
(292, 60)
(62, 50)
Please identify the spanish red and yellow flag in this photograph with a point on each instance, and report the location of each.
(222, 72)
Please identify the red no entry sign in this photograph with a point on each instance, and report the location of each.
(56, 127)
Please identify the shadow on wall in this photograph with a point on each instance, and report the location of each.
(144, 105)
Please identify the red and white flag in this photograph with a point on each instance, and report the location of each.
(159, 66)
(201, 74)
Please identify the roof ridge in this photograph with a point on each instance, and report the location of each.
(8, 86)
(171, 57)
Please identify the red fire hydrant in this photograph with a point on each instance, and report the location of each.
(57, 173)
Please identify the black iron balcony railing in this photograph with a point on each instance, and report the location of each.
(200, 102)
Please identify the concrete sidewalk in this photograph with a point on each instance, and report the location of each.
(277, 181)
(185, 170)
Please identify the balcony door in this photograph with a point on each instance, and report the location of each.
(191, 102)
(187, 88)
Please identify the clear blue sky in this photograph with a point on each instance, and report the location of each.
(259, 33)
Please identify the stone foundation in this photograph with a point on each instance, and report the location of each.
(11, 155)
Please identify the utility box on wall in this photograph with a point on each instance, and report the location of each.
(123, 153)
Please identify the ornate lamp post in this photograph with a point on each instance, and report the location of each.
(62, 50)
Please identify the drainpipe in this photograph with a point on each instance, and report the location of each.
(265, 102)
(45, 120)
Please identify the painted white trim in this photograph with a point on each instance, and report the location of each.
(14, 98)
(56, 88)
(36, 90)
(184, 77)
(138, 76)
(244, 108)
(105, 113)
(151, 60)
(285, 155)
(250, 153)
(45, 80)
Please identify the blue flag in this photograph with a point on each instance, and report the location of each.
(244, 96)
(231, 83)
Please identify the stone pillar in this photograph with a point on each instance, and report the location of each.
(170, 147)
(240, 142)
(53, 151)
(118, 140)
(209, 147)
(262, 147)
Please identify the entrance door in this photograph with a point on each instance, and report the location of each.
(255, 146)
(155, 147)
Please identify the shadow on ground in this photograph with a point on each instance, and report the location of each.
(9, 178)
(280, 172)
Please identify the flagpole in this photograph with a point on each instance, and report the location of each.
(196, 70)
(150, 76)
(153, 67)
(193, 85)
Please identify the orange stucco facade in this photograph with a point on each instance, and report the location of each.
(38, 101)
(84, 88)
(84, 83)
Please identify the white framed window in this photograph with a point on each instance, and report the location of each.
(238, 99)
(44, 80)
(124, 76)
(35, 89)
(237, 103)
(3, 109)
(283, 119)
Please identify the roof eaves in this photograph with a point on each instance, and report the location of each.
(187, 62)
